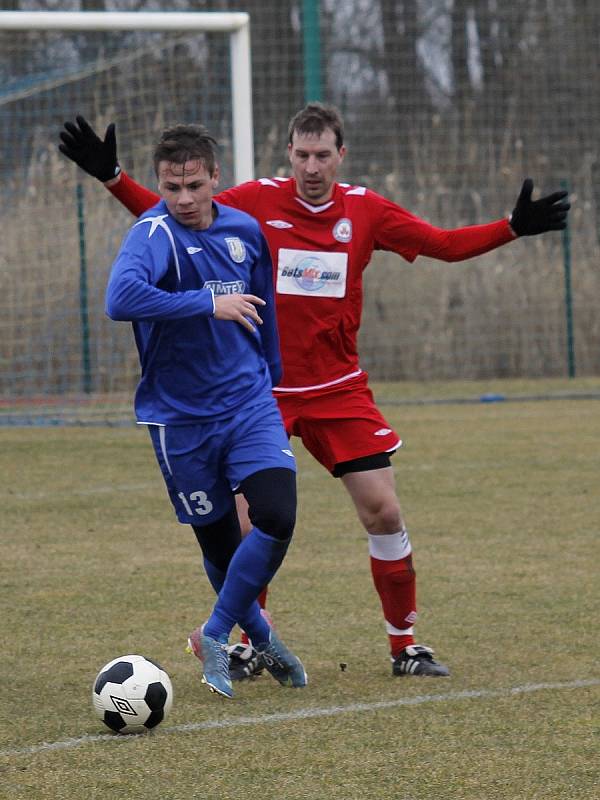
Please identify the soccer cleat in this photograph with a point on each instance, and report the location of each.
(215, 665)
(282, 664)
(244, 662)
(416, 659)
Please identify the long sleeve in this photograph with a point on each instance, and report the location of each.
(129, 298)
(135, 197)
(462, 243)
(399, 231)
(132, 293)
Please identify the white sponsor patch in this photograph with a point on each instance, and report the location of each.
(237, 249)
(279, 223)
(308, 272)
(382, 432)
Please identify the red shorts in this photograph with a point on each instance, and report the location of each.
(339, 423)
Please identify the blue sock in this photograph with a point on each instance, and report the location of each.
(252, 619)
(252, 567)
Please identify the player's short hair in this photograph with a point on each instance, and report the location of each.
(315, 118)
(181, 143)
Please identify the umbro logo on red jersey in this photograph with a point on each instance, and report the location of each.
(279, 223)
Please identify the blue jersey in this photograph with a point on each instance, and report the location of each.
(164, 281)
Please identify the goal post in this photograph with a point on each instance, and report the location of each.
(236, 24)
(61, 360)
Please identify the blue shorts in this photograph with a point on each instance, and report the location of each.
(204, 463)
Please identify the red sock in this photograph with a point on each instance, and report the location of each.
(394, 579)
(262, 602)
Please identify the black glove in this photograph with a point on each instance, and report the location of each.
(538, 216)
(95, 156)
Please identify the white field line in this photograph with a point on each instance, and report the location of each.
(308, 713)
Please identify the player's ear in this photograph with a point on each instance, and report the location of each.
(215, 177)
(342, 152)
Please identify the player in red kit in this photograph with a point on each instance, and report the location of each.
(321, 235)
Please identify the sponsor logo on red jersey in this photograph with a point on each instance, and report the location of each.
(310, 274)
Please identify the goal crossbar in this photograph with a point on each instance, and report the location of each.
(236, 24)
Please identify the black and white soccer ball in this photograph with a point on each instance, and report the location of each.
(132, 694)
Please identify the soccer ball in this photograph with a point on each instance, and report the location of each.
(132, 694)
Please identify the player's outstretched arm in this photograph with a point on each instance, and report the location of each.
(239, 308)
(531, 217)
(96, 156)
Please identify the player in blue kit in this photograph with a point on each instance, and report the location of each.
(191, 276)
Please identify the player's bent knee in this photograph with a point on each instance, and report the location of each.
(275, 517)
(271, 496)
(384, 517)
(389, 519)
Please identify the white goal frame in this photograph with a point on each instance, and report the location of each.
(236, 24)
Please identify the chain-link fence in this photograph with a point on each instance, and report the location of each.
(448, 105)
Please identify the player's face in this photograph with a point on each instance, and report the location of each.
(315, 161)
(187, 189)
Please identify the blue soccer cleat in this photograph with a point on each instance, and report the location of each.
(215, 665)
(283, 665)
(244, 661)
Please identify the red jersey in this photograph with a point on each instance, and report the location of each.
(319, 254)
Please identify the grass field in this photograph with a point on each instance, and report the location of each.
(503, 507)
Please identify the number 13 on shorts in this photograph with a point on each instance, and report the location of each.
(196, 503)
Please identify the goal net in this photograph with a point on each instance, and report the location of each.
(62, 360)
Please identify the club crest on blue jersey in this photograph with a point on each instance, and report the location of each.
(342, 230)
(237, 249)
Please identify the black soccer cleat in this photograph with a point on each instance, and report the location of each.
(244, 662)
(417, 659)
